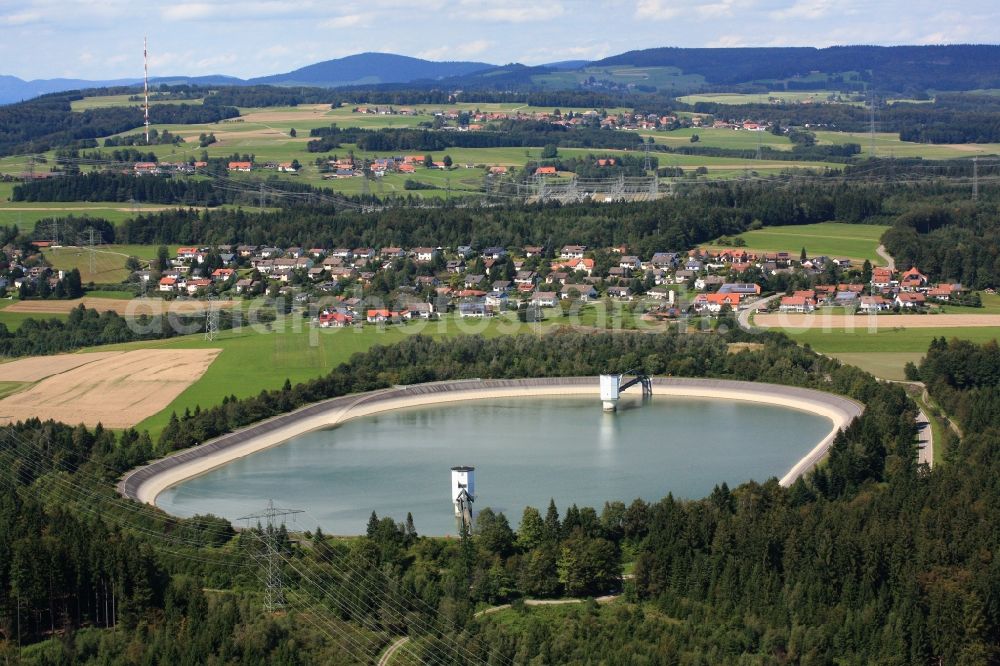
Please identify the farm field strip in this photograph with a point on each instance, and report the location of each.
(862, 322)
(133, 307)
(117, 390)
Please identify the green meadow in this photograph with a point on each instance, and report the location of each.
(889, 145)
(109, 101)
(13, 320)
(774, 97)
(833, 239)
(257, 359)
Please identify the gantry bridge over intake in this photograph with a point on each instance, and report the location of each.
(612, 386)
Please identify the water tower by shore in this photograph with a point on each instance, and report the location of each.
(463, 492)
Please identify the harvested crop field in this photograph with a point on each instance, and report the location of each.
(301, 112)
(824, 321)
(133, 307)
(39, 367)
(116, 389)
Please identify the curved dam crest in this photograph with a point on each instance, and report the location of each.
(146, 483)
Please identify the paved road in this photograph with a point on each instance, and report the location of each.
(391, 651)
(925, 440)
(889, 261)
(743, 317)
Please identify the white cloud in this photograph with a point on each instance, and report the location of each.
(811, 9)
(349, 21)
(662, 10)
(547, 54)
(21, 18)
(728, 42)
(188, 11)
(456, 51)
(658, 10)
(515, 12)
(193, 11)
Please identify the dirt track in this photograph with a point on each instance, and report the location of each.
(824, 321)
(134, 307)
(118, 389)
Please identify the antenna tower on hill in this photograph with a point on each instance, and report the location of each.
(145, 88)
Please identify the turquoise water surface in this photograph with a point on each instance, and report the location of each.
(525, 450)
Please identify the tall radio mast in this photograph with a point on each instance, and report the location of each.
(145, 88)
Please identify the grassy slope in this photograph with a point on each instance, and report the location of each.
(253, 361)
(834, 239)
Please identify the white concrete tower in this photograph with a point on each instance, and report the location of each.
(610, 390)
(463, 490)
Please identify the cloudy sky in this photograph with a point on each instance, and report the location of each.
(102, 39)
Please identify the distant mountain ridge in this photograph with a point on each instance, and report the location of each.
(353, 70)
(898, 68)
(371, 69)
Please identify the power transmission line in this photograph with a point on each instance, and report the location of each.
(274, 596)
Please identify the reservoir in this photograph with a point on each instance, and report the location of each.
(525, 450)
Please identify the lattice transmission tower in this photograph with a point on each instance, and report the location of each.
(271, 557)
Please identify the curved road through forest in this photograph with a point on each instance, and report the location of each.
(889, 261)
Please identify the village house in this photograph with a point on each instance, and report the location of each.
(421, 310)
(944, 292)
(424, 254)
(335, 319)
(584, 292)
(630, 262)
(194, 284)
(622, 293)
(475, 308)
(869, 304)
(572, 251)
(493, 253)
(222, 274)
(799, 304)
(745, 288)
(573, 265)
(910, 300)
(497, 299)
(663, 260)
(707, 281)
(713, 303)
(544, 299)
(912, 280)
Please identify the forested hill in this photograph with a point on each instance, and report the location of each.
(370, 68)
(951, 67)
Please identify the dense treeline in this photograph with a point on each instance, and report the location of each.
(508, 134)
(86, 328)
(694, 215)
(838, 152)
(74, 230)
(868, 560)
(965, 380)
(956, 242)
(263, 96)
(955, 118)
(111, 186)
(105, 584)
(885, 573)
(898, 68)
(97, 186)
(49, 122)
